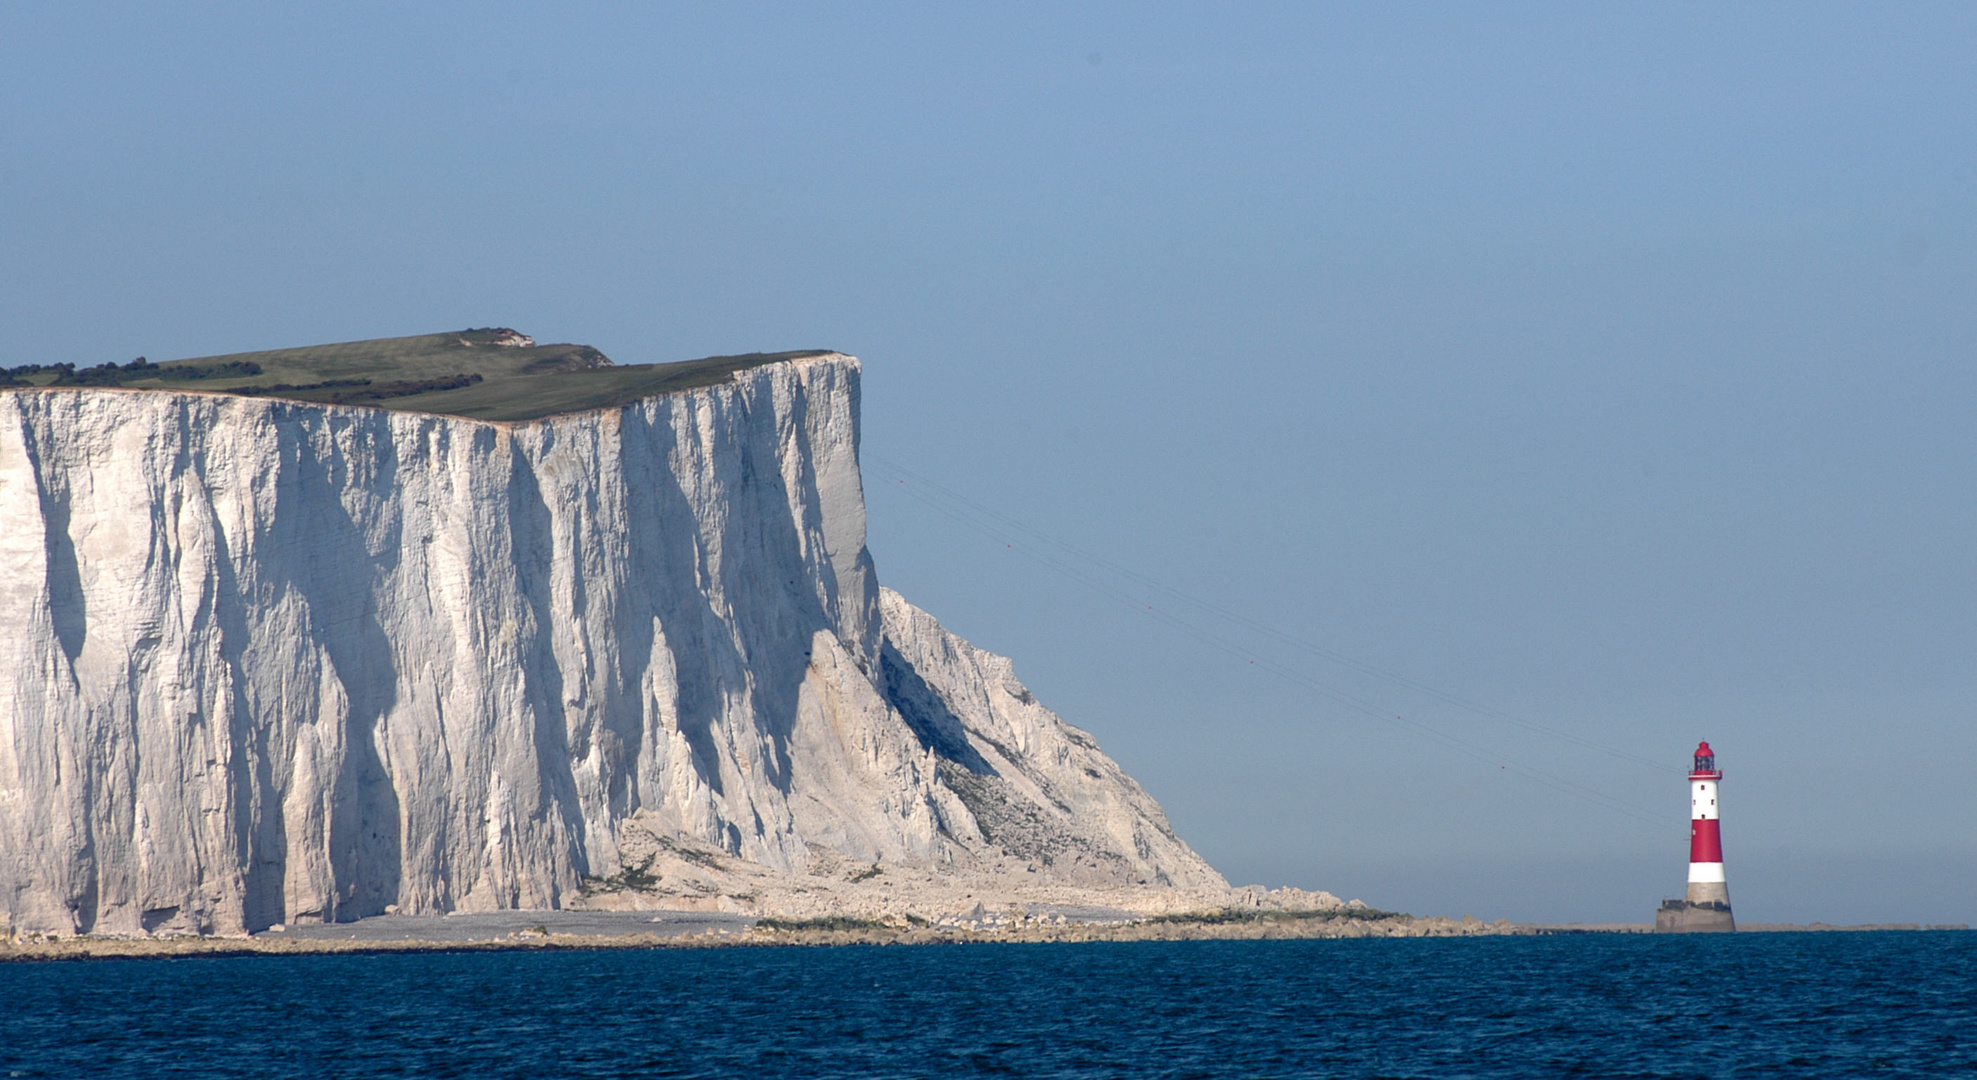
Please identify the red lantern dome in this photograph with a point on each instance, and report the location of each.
(1705, 763)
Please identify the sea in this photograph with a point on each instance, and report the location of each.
(1594, 1005)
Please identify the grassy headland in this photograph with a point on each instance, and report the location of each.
(484, 374)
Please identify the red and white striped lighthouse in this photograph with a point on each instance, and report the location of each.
(1706, 883)
(1706, 906)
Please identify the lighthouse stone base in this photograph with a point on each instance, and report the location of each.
(1705, 910)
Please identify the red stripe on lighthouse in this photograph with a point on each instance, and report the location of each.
(1705, 840)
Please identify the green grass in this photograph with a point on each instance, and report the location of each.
(430, 373)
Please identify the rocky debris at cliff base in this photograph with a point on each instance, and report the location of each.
(543, 931)
(674, 872)
(499, 926)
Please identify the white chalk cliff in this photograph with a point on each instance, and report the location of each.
(264, 661)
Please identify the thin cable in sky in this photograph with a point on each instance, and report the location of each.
(927, 485)
(970, 514)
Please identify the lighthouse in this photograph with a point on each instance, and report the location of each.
(1706, 907)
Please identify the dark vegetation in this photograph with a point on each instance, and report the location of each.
(360, 391)
(1253, 915)
(483, 373)
(110, 374)
(233, 369)
(104, 374)
(284, 389)
(826, 922)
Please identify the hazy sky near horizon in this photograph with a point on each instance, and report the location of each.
(1571, 381)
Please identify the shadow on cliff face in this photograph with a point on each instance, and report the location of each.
(781, 614)
(66, 604)
(365, 845)
(666, 556)
(714, 673)
(927, 714)
(68, 618)
(532, 539)
(755, 646)
(260, 829)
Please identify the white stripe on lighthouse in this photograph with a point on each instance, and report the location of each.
(1706, 871)
(1702, 799)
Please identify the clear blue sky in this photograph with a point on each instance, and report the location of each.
(1607, 368)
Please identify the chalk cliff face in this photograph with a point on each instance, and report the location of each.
(266, 662)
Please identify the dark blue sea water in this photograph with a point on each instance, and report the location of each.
(1757, 1005)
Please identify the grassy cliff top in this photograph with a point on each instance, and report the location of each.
(485, 374)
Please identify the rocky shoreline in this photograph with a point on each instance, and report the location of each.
(1216, 926)
(691, 930)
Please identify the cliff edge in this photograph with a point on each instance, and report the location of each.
(267, 661)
